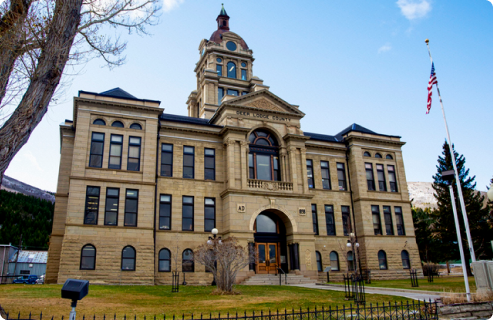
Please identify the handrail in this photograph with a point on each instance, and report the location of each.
(285, 276)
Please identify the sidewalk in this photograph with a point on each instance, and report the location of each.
(411, 294)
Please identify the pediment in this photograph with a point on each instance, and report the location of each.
(266, 101)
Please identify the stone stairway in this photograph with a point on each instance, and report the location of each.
(272, 279)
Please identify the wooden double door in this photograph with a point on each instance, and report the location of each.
(267, 257)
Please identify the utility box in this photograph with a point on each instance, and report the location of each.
(75, 289)
(483, 275)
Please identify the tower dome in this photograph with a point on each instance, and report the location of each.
(222, 27)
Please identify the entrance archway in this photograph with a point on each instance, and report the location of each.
(270, 243)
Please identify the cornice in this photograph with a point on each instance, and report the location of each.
(233, 129)
(380, 200)
(372, 139)
(310, 144)
(217, 131)
(78, 100)
(295, 137)
(112, 180)
(105, 226)
(228, 192)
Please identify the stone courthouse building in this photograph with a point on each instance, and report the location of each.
(139, 189)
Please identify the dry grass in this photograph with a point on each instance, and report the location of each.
(158, 300)
(452, 298)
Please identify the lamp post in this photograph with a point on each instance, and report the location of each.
(353, 245)
(449, 176)
(213, 241)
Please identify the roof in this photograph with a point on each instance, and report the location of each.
(357, 128)
(117, 93)
(30, 257)
(223, 11)
(186, 119)
(321, 137)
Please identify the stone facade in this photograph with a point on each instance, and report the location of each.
(225, 113)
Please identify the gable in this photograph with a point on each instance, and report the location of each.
(264, 100)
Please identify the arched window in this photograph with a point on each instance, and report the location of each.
(263, 160)
(350, 261)
(164, 260)
(405, 259)
(389, 157)
(117, 124)
(136, 126)
(88, 257)
(231, 70)
(378, 155)
(334, 261)
(366, 154)
(319, 261)
(382, 260)
(187, 261)
(128, 259)
(100, 122)
(265, 224)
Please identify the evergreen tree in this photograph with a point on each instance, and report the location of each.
(26, 215)
(429, 245)
(481, 231)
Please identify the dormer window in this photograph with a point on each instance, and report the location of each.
(231, 70)
(263, 159)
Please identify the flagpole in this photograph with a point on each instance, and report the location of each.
(459, 188)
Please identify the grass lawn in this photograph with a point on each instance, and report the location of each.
(442, 284)
(158, 300)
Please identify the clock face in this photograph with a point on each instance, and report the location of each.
(231, 45)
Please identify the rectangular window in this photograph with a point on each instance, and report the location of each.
(243, 93)
(116, 145)
(111, 208)
(263, 167)
(131, 206)
(188, 162)
(243, 74)
(369, 177)
(165, 212)
(209, 164)
(325, 175)
(377, 226)
(220, 95)
(382, 185)
(232, 92)
(219, 70)
(392, 180)
(315, 218)
(96, 152)
(309, 171)
(399, 221)
(329, 220)
(92, 205)
(209, 214)
(134, 154)
(346, 220)
(341, 176)
(387, 216)
(167, 160)
(187, 214)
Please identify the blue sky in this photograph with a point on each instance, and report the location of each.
(342, 62)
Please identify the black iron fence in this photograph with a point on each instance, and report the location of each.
(385, 311)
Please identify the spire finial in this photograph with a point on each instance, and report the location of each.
(223, 11)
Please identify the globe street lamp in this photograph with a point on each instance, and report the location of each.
(213, 241)
(352, 244)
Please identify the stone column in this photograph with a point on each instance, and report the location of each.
(304, 173)
(229, 145)
(292, 167)
(244, 164)
(284, 164)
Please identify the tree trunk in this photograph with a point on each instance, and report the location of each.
(34, 104)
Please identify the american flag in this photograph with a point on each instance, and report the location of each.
(433, 80)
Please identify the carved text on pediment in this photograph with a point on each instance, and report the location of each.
(264, 104)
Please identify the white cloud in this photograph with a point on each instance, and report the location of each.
(169, 5)
(386, 47)
(414, 9)
(29, 155)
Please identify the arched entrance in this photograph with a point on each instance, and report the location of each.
(270, 243)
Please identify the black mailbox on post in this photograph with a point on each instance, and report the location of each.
(75, 289)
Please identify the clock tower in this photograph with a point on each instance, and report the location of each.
(224, 70)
